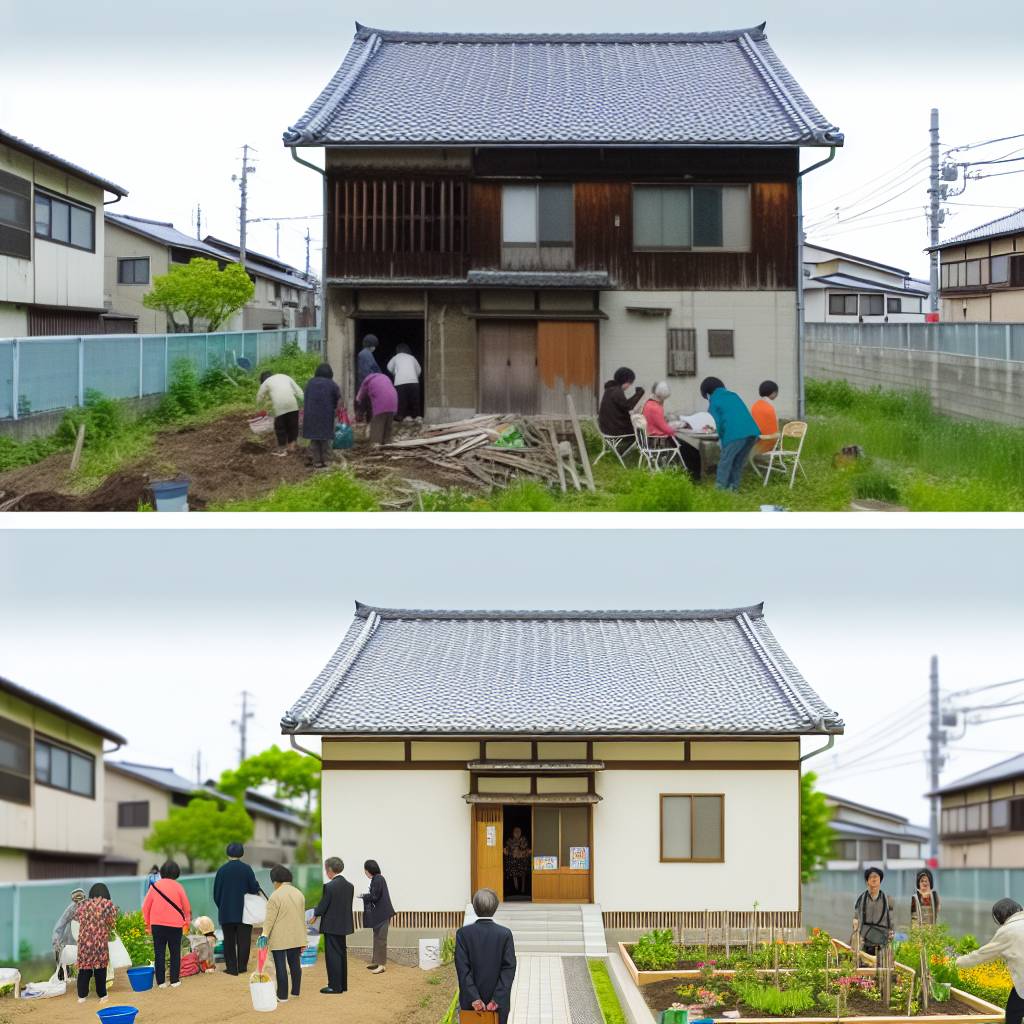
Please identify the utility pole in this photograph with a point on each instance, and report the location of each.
(199, 768)
(278, 227)
(936, 740)
(934, 219)
(307, 252)
(243, 186)
(199, 217)
(242, 724)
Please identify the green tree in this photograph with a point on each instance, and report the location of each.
(816, 836)
(199, 832)
(200, 290)
(295, 776)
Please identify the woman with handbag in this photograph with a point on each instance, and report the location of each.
(377, 913)
(167, 914)
(95, 916)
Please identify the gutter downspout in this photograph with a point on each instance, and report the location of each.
(323, 251)
(820, 750)
(303, 750)
(110, 202)
(801, 400)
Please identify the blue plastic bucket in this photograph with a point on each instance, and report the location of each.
(308, 956)
(117, 1014)
(140, 978)
(170, 495)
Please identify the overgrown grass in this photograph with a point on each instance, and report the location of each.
(336, 491)
(611, 1008)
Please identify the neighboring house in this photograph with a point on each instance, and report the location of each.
(139, 250)
(51, 794)
(844, 289)
(650, 758)
(51, 243)
(981, 273)
(867, 835)
(529, 212)
(982, 818)
(139, 795)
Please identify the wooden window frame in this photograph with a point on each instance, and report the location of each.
(18, 727)
(687, 337)
(134, 260)
(689, 186)
(51, 198)
(125, 805)
(712, 354)
(70, 750)
(661, 830)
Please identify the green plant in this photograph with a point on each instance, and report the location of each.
(448, 949)
(449, 500)
(327, 492)
(434, 980)
(200, 290)
(611, 1008)
(183, 396)
(524, 496)
(767, 998)
(816, 835)
(132, 929)
(667, 491)
(453, 1011)
(877, 485)
(425, 1001)
(655, 951)
(199, 831)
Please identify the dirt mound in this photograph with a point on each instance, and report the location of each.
(122, 492)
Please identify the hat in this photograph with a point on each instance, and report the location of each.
(203, 925)
(235, 850)
(77, 895)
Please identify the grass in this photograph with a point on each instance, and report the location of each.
(336, 491)
(611, 1008)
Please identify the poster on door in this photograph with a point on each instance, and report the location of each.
(545, 863)
(579, 858)
(492, 835)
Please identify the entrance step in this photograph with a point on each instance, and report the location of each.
(552, 929)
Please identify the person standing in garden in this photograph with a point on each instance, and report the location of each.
(284, 930)
(377, 914)
(167, 914)
(1008, 945)
(924, 904)
(62, 934)
(284, 396)
(380, 393)
(873, 914)
(737, 431)
(95, 916)
(334, 911)
(233, 882)
(320, 406)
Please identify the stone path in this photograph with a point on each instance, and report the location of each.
(551, 989)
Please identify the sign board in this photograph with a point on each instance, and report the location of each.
(492, 835)
(545, 863)
(579, 858)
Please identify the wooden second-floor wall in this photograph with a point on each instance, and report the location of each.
(438, 214)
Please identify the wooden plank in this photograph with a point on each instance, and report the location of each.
(558, 461)
(79, 441)
(585, 458)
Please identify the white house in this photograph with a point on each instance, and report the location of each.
(51, 243)
(868, 835)
(650, 759)
(844, 289)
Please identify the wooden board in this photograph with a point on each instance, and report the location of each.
(488, 858)
(561, 886)
(567, 365)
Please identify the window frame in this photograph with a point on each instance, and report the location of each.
(124, 805)
(43, 740)
(861, 296)
(536, 186)
(134, 261)
(690, 187)
(661, 830)
(893, 304)
(720, 340)
(680, 340)
(50, 198)
(844, 296)
(23, 192)
(28, 775)
(1005, 280)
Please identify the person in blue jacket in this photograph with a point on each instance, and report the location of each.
(737, 431)
(233, 882)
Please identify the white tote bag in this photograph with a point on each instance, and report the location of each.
(118, 954)
(254, 911)
(263, 992)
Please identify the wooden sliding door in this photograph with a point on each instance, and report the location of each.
(488, 868)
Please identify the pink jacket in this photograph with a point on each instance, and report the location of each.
(381, 393)
(657, 425)
(156, 910)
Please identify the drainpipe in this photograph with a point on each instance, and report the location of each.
(800, 401)
(820, 723)
(302, 750)
(110, 202)
(323, 252)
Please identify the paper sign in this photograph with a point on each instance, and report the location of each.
(545, 863)
(492, 835)
(579, 858)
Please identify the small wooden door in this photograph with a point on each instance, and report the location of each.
(508, 366)
(488, 849)
(567, 364)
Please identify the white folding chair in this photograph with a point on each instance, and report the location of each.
(610, 443)
(655, 456)
(787, 460)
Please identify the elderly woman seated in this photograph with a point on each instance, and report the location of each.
(661, 432)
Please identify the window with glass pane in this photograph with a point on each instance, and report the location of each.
(60, 768)
(1000, 813)
(545, 832)
(872, 305)
(15, 742)
(555, 214)
(974, 272)
(961, 819)
(999, 269)
(707, 218)
(13, 209)
(661, 217)
(676, 828)
(81, 775)
(519, 214)
(133, 271)
(973, 818)
(894, 305)
(892, 851)
(42, 216)
(60, 221)
(845, 849)
(871, 849)
(81, 228)
(575, 831)
(42, 762)
(707, 828)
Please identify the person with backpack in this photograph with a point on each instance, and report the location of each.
(924, 904)
(1008, 945)
(873, 914)
(167, 914)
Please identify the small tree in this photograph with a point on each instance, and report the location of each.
(200, 831)
(201, 291)
(816, 836)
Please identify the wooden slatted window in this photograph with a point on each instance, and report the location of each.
(682, 352)
(721, 344)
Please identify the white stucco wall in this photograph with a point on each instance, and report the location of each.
(416, 825)
(762, 850)
(764, 323)
(13, 318)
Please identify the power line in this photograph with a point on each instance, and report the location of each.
(986, 686)
(897, 170)
(870, 209)
(978, 145)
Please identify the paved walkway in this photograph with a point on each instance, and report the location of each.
(541, 992)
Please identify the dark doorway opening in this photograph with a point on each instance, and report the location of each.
(517, 853)
(390, 333)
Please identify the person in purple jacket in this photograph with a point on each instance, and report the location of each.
(378, 390)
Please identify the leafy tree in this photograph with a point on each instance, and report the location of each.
(295, 776)
(201, 291)
(199, 832)
(816, 837)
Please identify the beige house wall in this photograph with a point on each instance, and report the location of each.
(13, 866)
(127, 298)
(127, 842)
(13, 317)
(1008, 306)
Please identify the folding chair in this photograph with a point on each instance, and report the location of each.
(780, 458)
(655, 456)
(610, 443)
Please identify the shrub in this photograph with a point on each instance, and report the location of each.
(327, 492)
(183, 396)
(655, 951)
(448, 949)
(103, 418)
(132, 930)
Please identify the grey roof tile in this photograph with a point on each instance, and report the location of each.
(709, 89)
(42, 155)
(1012, 768)
(408, 672)
(1009, 225)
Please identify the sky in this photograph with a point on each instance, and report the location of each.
(161, 98)
(155, 633)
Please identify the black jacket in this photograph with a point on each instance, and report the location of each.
(319, 405)
(335, 907)
(377, 903)
(613, 414)
(232, 883)
(485, 962)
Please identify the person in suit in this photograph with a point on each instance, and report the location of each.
(233, 882)
(485, 959)
(377, 913)
(334, 912)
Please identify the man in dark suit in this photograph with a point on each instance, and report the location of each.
(334, 911)
(485, 960)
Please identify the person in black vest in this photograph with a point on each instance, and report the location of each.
(873, 914)
(377, 913)
(233, 882)
(334, 911)
(485, 959)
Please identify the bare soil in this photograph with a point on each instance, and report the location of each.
(402, 995)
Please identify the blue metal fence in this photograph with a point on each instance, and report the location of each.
(46, 374)
(981, 341)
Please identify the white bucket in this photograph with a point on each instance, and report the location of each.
(430, 954)
(264, 993)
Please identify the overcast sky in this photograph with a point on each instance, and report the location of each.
(155, 633)
(161, 98)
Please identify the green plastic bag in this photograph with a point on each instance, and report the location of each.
(512, 438)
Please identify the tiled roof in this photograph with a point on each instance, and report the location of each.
(54, 708)
(539, 278)
(864, 284)
(850, 256)
(610, 672)
(43, 156)
(1009, 225)
(163, 232)
(261, 266)
(699, 89)
(1012, 768)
